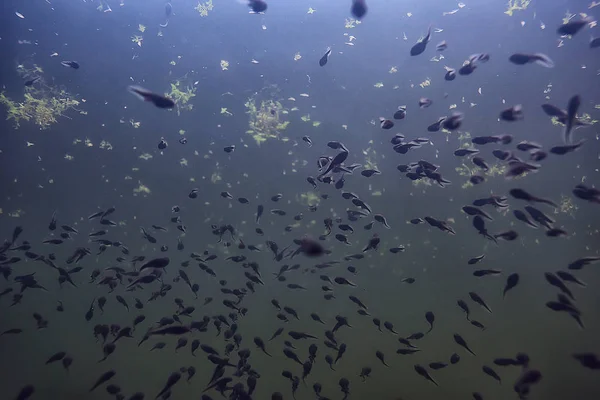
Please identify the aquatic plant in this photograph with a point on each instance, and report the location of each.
(351, 23)
(137, 40)
(87, 142)
(105, 145)
(516, 5)
(309, 199)
(425, 83)
(496, 170)
(14, 214)
(424, 182)
(265, 118)
(464, 139)
(464, 170)
(204, 8)
(141, 189)
(181, 95)
(568, 17)
(585, 118)
(216, 177)
(43, 106)
(42, 103)
(370, 157)
(493, 171)
(34, 70)
(566, 206)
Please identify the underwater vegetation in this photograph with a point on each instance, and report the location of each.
(42, 103)
(182, 93)
(516, 5)
(265, 117)
(204, 8)
(308, 199)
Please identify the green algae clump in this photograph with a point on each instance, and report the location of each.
(42, 103)
(493, 171)
(43, 106)
(516, 5)
(309, 199)
(265, 118)
(181, 95)
(204, 8)
(585, 118)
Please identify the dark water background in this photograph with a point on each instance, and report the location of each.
(340, 93)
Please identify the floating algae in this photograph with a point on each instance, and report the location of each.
(204, 8)
(584, 118)
(141, 189)
(370, 157)
(308, 199)
(493, 171)
(351, 23)
(182, 94)
(516, 5)
(566, 206)
(265, 116)
(137, 40)
(42, 103)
